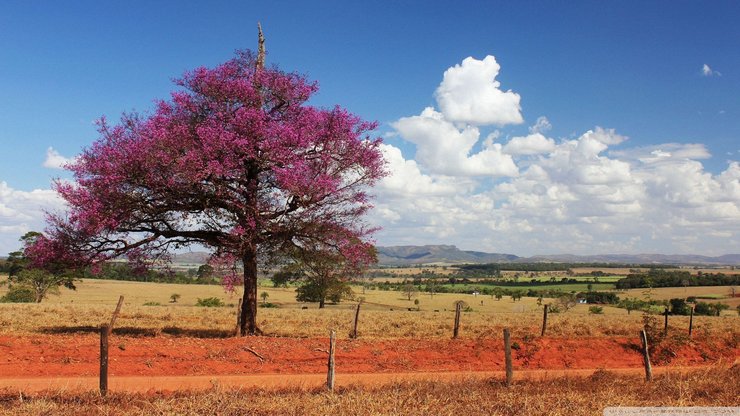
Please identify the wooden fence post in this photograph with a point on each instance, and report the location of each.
(115, 313)
(330, 373)
(104, 331)
(665, 327)
(357, 318)
(507, 356)
(691, 321)
(646, 356)
(458, 308)
(544, 321)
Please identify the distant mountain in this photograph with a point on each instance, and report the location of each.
(401, 255)
(193, 257)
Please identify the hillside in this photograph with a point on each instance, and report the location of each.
(398, 255)
(401, 255)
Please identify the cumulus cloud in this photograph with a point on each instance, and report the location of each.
(54, 160)
(535, 194)
(443, 148)
(23, 211)
(470, 94)
(406, 177)
(532, 144)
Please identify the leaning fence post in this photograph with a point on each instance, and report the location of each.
(544, 321)
(507, 357)
(357, 317)
(646, 356)
(104, 331)
(115, 313)
(665, 327)
(458, 308)
(330, 373)
(691, 321)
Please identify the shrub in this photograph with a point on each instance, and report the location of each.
(598, 310)
(679, 307)
(174, 297)
(19, 294)
(599, 297)
(152, 304)
(209, 302)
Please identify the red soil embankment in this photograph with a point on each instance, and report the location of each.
(49, 357)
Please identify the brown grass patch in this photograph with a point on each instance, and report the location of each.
(558, 396)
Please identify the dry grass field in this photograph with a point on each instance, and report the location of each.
(384, 314)
(388, 322)
(574, 396)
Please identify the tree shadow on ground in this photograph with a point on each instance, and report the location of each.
(141, 332)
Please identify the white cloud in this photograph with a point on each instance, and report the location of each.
(444, 149)
(532, 144)
(54, 160)
(23, 211)
(406, 177)
(577, 195)
(470, 94)
(542, 125)
(709, 72)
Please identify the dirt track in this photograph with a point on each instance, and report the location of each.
(158, 384)
(32, 363)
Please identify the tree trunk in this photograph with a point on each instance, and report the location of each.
(321, 303)
(248, 324)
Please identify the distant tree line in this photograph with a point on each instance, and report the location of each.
(675, 278)
(204, 275)
(494, 269)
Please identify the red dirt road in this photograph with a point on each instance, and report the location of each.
(30, 363)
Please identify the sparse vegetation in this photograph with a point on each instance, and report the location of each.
(211, 302)
(596, 310)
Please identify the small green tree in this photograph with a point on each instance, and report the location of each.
(566, 301)
(325, 270)
(409, 291)
(41, 282)
(264, 296)
(24, 275)
(313, 291)
(174, 298)
(630, 304)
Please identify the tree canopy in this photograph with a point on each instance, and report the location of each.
(236, 161)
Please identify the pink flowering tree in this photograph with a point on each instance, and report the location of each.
(235, 161)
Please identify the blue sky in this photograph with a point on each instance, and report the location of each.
(635, 67)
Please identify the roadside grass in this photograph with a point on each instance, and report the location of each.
(556, 396)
